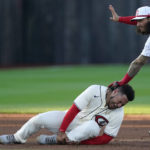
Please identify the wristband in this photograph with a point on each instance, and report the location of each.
(125, 80)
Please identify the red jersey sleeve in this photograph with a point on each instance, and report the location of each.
(70, 115)
(99, 140)
(127, 20)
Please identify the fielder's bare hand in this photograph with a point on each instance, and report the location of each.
(114, 85)
(115, 16)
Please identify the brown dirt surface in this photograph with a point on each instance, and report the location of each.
(133, 135)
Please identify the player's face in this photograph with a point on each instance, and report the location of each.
(117, 100)
(143, 26)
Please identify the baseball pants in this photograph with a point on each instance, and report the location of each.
(52, 121)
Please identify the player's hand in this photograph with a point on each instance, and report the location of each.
(62, 138)
(115, 16)
(72, 143)
(114, 85)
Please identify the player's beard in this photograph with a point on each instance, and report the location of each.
(111, 104)
(147, 29)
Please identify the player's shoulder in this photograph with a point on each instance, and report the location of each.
(98, 90)
(118, 113)
(97, 86)
(120, 110)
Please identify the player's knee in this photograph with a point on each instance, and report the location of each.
(35, 120)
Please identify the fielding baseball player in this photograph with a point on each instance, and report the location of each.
(96, 107)
(142, 22)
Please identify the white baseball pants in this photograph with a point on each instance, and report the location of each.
(52, 121)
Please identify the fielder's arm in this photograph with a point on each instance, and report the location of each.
(116, 18)
(136, 65)
(134, 68)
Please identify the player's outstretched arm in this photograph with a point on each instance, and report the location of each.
(136, 65)
(134, 68)
(115, 16)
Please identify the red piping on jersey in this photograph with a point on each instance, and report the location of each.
(99, 140)
(70, 115)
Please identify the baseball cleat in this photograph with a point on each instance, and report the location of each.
(47, 139)
(7, 139)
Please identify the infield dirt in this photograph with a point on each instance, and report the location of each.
(133, 135)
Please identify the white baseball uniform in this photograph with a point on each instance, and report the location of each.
(146, 50)
(93, 115)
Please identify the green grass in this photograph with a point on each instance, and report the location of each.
(33, 90)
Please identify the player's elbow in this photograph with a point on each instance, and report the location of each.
(138, 62)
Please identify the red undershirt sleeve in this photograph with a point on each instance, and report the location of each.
(127, 20)
(125, 79)
(99, 140)
(70, 115)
